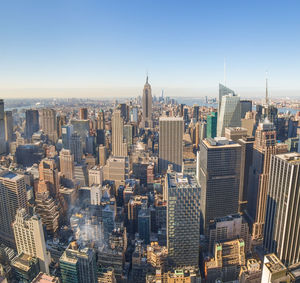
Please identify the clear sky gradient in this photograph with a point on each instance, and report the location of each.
(105, 47)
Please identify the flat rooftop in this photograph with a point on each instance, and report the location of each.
(220, 142)
(10, 175)
(171, 119)
(291, 157)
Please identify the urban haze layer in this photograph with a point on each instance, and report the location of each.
(150, 189)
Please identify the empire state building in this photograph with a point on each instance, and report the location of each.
(147, 105)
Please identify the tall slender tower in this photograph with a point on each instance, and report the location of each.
(29, 236)
(282, 228)
(8, 118)
(264, 147)
(147, 105)
(119, 147)
(2, 128)
(170, 143)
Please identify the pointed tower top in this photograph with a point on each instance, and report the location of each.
(147, 79)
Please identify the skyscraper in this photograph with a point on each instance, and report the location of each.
(246, 106)
(264, 146)
(48, 123)
(246, 163)
(100, 120)
(220, 161)
(282, 227)
(49, 173)
(76, 147)
(229, 113)
(2, 128)
(183, 219)
(78, 265)
(32, 122)
(66, 133)
(29, 237)
(212, 119)
(147, 105)
(170, 143)
(119, 147)
(8, 119)
(83, 113)
(12, 196)
(144, 225)
(66, 161)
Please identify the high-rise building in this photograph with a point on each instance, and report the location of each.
(273, 270)
(25, 268)
(246, 106)
(147, 105)
(8, 119)
(82, 127)
(134, 115)
(76, 147)
(32, 122)
(220, 161)
(246, 163)
(78, 265)
(212, 119)
(183, 219)
(100, 137)
(2, 128)
(12, 196)
(235, 133)
(100, 120)
(170, 143)
(228, 228)
(96, 175)
(128, 135)
(264, 146)
(60, 122)
(196, 112)
(144, 225)
(29, 237)
(102, 155)
(66, 133)
(47, 209)
(124, 109)
(119, 147)
(223, 90)
(66, 161)
(83, 113)
(49, 173)
(229, 114)
(282, 227)
(48, 123)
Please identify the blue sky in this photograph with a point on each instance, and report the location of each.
(110, 45)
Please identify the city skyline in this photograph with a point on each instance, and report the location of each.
(106, 49)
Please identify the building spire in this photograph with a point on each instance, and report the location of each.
(224, 71)
(267, 97)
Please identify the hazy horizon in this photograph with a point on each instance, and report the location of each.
(129, 92)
